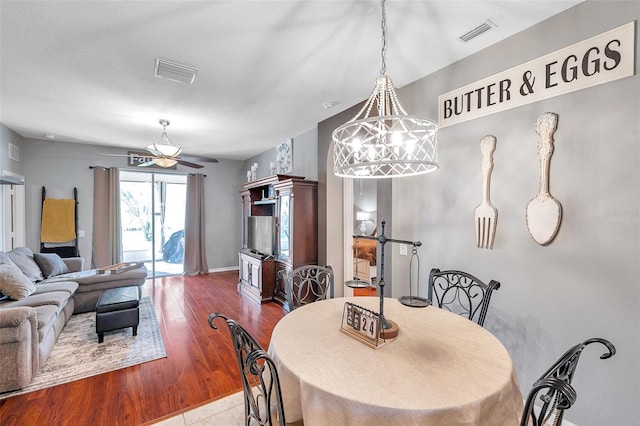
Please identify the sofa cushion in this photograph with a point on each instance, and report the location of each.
(57, 298)
(13, 283)
(23, 257)
(46, 316)
(91, 280)
(45, 287)
(50, 264)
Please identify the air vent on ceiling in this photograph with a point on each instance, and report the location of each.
(174, 71)
(480, 29)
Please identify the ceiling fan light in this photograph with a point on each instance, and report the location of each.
(165, 162)
(168, 150)
(164, 145)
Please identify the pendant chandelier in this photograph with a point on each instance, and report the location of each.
(390, 143)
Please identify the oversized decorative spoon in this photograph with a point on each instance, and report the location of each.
(544, 212)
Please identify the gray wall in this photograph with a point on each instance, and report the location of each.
(305, 158)
(62, 166)
(584, 284)
(8, 136)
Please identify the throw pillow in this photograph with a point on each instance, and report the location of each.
(4, 258)
(51, 264)
(13, 283)
(23, 258)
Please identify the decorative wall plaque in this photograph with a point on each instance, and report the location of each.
(284, 156)
(544, 212)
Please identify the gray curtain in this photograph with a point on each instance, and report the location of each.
(195, 253)
(107, 235)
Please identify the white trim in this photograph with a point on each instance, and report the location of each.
(225, 269)
(13, 213)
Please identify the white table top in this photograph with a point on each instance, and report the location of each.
(441, 369)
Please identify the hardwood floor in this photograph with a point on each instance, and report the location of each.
(200, 365)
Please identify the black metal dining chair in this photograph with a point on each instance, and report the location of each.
(307, 284)
(260, 381)
(462, 293)
(558, 395)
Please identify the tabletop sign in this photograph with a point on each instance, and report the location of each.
(361, 324)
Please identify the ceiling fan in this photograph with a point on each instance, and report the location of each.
(163, 153)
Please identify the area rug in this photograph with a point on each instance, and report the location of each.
(77, 353)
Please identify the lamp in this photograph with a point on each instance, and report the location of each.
(165, 162)
(362, 216)
(389, 144)
(165, 147)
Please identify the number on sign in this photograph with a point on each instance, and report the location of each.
(373, 328)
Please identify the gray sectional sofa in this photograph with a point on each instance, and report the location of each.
(38, 295)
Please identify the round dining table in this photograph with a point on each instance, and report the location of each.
(441, 369)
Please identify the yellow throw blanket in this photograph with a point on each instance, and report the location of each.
(58, 221)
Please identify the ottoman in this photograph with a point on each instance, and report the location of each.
(117, 308)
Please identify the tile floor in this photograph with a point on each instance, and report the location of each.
(228, 411)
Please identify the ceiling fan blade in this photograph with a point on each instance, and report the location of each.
(114, 155)
(154, 152)
(147, 164)
(199, 159)
(189, 164)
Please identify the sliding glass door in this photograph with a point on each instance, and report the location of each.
(152, 206)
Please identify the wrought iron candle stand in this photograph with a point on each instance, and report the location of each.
(389, 328)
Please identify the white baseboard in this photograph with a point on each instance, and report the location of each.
(225, 269)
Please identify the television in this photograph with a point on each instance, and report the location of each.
(261, 234)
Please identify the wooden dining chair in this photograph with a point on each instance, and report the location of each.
(462, 293)
(307, 284)
(260, 382)
(558, 395)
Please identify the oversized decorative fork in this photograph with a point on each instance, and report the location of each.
(486, 215)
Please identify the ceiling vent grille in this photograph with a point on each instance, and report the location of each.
(480, 29)
(174, 71)
(14, 152)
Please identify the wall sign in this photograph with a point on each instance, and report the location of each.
(137, 158)
(600, 59)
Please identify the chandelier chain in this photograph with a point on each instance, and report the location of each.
(383, 25)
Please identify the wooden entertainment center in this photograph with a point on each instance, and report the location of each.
(292, 202)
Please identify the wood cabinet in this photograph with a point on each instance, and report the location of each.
(297, 231)
(256, 277)
(293, 203)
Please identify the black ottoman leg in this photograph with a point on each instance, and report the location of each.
(135, 330)
(100, 337)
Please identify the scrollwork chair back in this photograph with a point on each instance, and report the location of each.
(260, 381)
(558, 395)
(462, 293)
(307, 284)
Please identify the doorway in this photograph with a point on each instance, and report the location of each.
(13, 214)
(152, 208)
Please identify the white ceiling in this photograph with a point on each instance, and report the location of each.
(83, 70)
